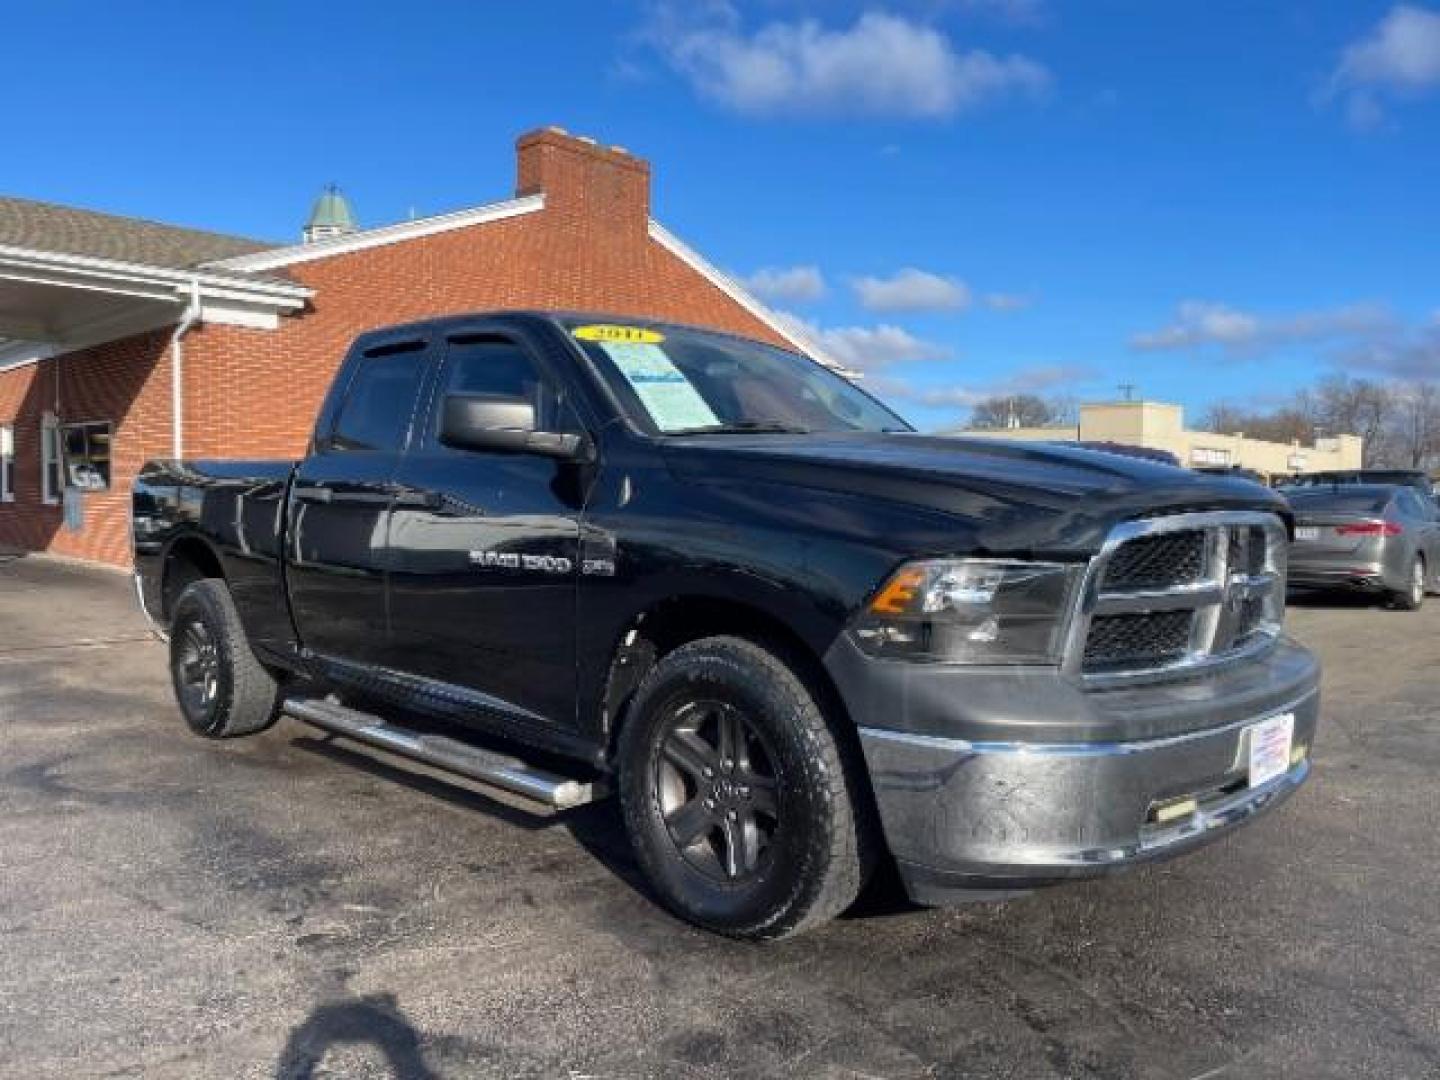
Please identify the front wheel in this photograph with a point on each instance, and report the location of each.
(222, 689)
(736, 794)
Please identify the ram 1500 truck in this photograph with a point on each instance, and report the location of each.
(571, 554)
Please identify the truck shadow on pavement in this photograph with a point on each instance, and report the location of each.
(597, 828)
(369, 1021)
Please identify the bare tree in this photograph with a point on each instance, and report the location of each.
(1225, 418)
(1341, 405)
(1016, 410)
(1416, 423)
(1291, 423)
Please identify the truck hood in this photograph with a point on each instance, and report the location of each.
(1013, 497)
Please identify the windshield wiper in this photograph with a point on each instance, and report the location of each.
(743, 427)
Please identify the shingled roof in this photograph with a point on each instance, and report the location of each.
(64, 230)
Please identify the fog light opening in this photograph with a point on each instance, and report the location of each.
(1173, 810)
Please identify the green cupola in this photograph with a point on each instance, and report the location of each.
(330, 216)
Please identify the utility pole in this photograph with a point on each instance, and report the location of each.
(1128, 389)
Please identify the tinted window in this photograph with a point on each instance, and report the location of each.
(1354, 501)
(504, 369)
(1411, 506)
(377, 409)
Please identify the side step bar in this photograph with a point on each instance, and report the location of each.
(497, 770)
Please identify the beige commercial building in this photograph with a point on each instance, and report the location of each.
(1158, 426)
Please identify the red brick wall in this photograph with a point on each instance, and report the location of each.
(126, 382)
(253, 393)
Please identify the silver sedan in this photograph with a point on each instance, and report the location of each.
(1373, 538)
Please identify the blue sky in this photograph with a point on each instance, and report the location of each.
(1208, 200)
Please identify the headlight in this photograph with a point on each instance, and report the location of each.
(971, 611)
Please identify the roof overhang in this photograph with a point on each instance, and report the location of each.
(346, 243)
(67, 302)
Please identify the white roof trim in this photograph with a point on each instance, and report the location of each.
(113, 275)
(385, 234)
(786, 328)
(19, 354)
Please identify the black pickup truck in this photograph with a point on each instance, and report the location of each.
(570, 554)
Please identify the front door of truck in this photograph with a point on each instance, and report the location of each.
(484, 546)
(340, 506)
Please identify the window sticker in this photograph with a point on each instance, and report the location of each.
(605, 332)
(673, 403)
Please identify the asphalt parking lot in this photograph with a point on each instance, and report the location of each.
(289, 905)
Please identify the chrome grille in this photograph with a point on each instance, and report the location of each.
(1169, 595)
(1116, 642)
(1157, 561)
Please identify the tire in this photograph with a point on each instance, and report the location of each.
(782, 844)
(222, 689)
(1412, 597)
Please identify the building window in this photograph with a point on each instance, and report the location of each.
(87, 455)
(50, 480)
(7, 463)
(1206, 455)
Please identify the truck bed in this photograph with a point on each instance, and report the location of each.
(238, 509)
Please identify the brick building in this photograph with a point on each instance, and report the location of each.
(123, 340)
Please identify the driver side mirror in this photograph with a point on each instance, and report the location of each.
(503, 424)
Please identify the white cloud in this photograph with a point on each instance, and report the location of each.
(1200, 323)
(1024, 12)
(1039, 379)
(912, 290)
(1412, 354)
(1400, 57)
(997, 301)
(931, 397)
(883, 64)
(866, 348)
(787, 284)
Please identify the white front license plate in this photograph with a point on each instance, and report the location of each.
(1307, 532)
(1270, 747)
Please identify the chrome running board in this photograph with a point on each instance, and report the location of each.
(507, 773)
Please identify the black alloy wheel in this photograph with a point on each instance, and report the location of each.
(744, 806)
(715, 777)
(197, 674)
(222, 688)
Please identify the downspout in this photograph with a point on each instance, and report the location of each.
(177, 371)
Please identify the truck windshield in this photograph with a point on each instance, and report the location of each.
(679, 381)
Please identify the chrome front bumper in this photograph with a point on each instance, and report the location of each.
(963, 815)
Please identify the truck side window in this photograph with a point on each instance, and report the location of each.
(503, 368)
(377, 408)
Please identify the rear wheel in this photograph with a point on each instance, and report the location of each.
(222, 689)
(736, 794)
(1413, 595)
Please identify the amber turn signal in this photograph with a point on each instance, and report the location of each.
(895, 598)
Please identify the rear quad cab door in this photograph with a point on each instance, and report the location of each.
(485, 545)
(340, 506)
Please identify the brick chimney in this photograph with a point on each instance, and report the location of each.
(606, 186)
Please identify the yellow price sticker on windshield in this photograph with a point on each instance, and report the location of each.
(628, 335)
